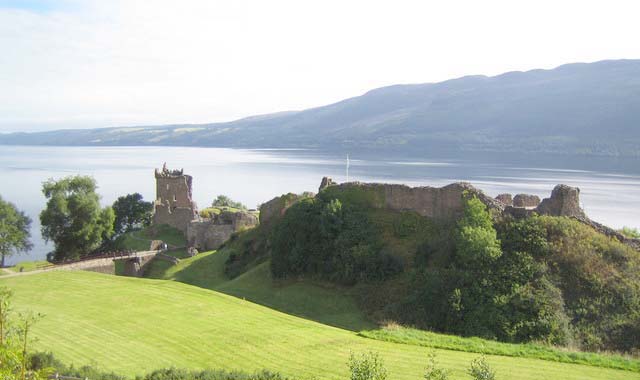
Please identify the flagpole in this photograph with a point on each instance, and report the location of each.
(347, 167)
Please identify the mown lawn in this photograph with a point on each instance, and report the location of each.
(131, 326)
(323, 303)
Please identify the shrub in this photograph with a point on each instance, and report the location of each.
(367, 366)
(433, 372)
(480, 369)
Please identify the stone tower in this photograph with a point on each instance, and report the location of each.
(174, 205)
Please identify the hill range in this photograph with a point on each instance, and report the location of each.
(578, 109)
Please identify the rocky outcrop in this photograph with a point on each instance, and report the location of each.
(564, 201)
(526, 201)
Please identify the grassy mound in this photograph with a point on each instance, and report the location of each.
(132, 326)
(320, 302)
(141, 240)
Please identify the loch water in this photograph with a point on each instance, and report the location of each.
(610, 187)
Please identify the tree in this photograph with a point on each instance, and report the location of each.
(225, 201)
(14, 230)
(131, 212)
(73, 218)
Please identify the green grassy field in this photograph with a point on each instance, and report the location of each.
(319, 302)
(333, 305)
(131, 326)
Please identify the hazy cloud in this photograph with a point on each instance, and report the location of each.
(71, 64)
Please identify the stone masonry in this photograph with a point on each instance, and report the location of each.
(174, 205)
(207, 234)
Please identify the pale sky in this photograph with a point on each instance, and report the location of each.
(98, 63)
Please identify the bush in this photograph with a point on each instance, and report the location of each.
(367, 366)
(480, 369)
(42, 360)
(183, 374)
(433, 372)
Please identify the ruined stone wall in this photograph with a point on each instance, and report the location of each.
(208, 234)
(136, 266)
(564, 201)
(433, 202)
(106, 267)
(526, 200)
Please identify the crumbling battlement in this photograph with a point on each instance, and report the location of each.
(564, 201)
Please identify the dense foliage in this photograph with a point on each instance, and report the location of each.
(324, 237)
(14, 230)
(487, 287)
(545, 279)
(131, 212)
(550, 279)
(73, 218)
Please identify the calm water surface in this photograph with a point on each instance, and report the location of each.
(610, 189)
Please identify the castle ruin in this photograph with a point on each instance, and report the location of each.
(174, 206)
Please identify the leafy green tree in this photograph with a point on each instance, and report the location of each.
(225, 201)
(131, 211)
(14, 230)
(73, 218)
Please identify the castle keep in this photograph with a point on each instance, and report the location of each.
(173, 205)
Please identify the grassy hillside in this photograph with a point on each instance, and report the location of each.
(133, 325)
(320, 302)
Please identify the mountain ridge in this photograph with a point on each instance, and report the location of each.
(575, 108)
